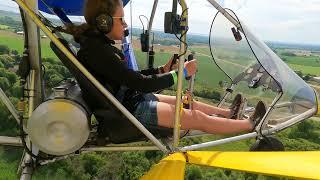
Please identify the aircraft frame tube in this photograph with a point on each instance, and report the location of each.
(6, 101)
(225, 13)
(91, 78)
(177, 125)
(292, 121)
(153, 12)
(191, 90)
(284, 104)
(31, 87)
(226, 95)
(26, 165)
(34, 50)
(275, 100)
(219, 142)
(10, 141)
(154, 8)
(122, 148)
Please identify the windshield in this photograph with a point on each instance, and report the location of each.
(258, 72)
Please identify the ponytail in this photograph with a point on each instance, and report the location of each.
(76, 30)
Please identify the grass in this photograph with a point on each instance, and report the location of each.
(305, 64)
(306, 69)
(3, 27)
(313, 61)
(14, 41)
(9, 161)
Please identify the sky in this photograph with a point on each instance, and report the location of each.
(293, 21)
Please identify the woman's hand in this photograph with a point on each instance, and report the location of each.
(170, 65)
(191, 67)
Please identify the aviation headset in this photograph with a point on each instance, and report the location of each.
(104, 22)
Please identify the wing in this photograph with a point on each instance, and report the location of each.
(289, 164)
(70, 7)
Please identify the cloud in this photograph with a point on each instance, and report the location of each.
(8, 6)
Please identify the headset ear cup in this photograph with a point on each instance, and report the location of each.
(104, 23)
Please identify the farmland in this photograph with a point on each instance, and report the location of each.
(14, 41)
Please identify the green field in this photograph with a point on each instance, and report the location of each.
(14, 41)
(312, 61)
(305, 64)
(3, 27)
(306, 69)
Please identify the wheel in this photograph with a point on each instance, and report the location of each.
(268, 143)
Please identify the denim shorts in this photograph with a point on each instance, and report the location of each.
(146, 111)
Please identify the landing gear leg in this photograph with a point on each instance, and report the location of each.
(26, 167)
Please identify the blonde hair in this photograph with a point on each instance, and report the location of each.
(92, 9)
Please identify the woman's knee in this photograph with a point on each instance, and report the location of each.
(165, 113)
(166, 99)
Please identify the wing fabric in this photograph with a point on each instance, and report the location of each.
(70, 7)
(171, 167)
(294, 164)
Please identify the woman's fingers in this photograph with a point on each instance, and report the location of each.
(191, 67)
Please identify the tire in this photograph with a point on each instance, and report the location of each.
(268, 143)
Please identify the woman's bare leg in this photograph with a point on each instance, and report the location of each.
(195, 119)
(205, 108)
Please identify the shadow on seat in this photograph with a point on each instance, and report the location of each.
(112, 124)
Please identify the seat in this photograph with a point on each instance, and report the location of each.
(112, 124)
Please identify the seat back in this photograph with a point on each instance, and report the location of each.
(84, 83)
(112, 123)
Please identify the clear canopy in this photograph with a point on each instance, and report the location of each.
(259, 73)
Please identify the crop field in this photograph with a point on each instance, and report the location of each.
(306, 69)
(14, 41)
(3, 27)
(304, 61)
